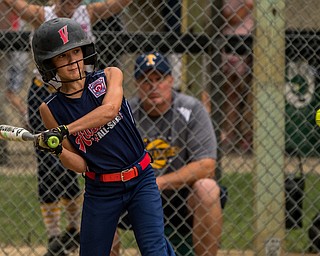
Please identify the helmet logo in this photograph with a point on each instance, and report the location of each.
(63, 32)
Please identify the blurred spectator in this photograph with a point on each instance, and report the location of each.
(56, 185)
(4, 26)
(86, 15)
(239, 17)
(17, 64)
(13, 69)
(179, 135)
(16, 74)
(109, 55)
(236, 66)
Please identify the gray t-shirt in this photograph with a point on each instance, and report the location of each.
(182, 135)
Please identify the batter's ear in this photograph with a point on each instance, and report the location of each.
(47, 71)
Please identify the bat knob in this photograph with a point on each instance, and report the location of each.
(53, 141)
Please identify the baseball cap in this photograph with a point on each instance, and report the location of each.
(151, 61)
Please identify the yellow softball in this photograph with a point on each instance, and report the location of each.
(318, 117)
(53, 141)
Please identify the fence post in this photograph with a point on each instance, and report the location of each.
(195, 19)
(269, 126)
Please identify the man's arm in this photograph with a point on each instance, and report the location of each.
(106, 9)
(31, 13)
(201, 144)
(236, 10)
(188, 174)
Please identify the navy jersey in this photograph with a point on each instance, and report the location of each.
(106, 149)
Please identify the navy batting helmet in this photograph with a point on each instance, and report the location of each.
(55, 37)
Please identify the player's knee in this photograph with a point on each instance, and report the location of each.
(206, 192)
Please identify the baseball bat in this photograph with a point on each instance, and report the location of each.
(12, 133)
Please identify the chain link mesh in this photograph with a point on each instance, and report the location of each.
(212, 58)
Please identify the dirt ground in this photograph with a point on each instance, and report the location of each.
(39, 251)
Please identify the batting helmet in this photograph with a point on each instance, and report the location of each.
(55, 37)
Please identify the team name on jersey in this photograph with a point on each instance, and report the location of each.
(86, 137)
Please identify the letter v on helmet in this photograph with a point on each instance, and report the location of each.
(63, 32)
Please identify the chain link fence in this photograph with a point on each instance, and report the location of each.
(269, 167)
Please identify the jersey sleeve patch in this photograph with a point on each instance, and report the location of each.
(98, 87)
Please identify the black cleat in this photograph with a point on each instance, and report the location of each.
(51, 241)
(68, 242)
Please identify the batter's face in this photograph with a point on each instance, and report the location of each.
(155, 91)
(69, 64)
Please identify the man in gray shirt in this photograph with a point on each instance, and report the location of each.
(179, 135)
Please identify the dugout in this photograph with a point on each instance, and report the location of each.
(302, 93)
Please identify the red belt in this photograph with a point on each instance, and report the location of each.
(124, 175)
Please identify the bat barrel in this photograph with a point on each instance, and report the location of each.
(13, 133)
(8, 132)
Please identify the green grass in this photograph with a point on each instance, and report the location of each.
(20, 217)
(21, 222)
(238, 212)
(238, 229)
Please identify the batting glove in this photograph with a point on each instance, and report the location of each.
(57, 151)
(62, 130)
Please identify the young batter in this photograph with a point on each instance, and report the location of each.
(100, 140)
